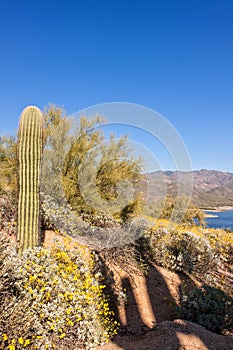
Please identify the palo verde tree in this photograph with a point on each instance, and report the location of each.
(57, 142)
(8, 164)
(65, 166)
(101, 166)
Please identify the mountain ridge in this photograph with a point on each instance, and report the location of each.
(211, 188)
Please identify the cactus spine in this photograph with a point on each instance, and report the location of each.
(30, 146)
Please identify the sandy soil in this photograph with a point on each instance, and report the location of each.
(176, 335)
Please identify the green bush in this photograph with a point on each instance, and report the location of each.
(209, 307)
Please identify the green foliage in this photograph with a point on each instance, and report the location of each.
(8, 164)
(210, 307)
(133, 208)
(101, 177)
(52, 297)
(182, 214)
(86, 139)
(30, 144)
(57, 143)
(77, 154)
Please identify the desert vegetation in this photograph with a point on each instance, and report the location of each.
(65, 294)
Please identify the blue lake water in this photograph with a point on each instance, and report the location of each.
(224, 219)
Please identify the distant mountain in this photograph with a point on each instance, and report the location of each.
(211, 188)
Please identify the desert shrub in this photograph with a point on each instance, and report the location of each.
(8, 164)
(127, 257)
(61, 217)
(230, 254)
(121, 234)
(51, 297)
(220, 241)
(8, 212)
(101, 231)
(210, 307)
(177, 208)
(182, 251)
(101, 220)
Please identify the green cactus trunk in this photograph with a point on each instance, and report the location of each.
(30, 147)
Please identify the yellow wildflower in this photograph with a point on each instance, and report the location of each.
(4, 337)
(27, 342)
(11, 347)
(20, 340)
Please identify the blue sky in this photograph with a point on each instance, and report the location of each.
(175, 57)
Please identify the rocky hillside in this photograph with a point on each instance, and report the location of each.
(211, 188)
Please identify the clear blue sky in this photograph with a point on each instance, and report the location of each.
(173, 56)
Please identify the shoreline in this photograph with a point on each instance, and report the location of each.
(219, 209)
(216, 210)
(207, 216)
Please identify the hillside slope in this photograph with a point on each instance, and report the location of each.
(211, 188)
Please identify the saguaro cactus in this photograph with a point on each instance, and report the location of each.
(30, 146)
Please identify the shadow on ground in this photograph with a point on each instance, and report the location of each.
(148, 321)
